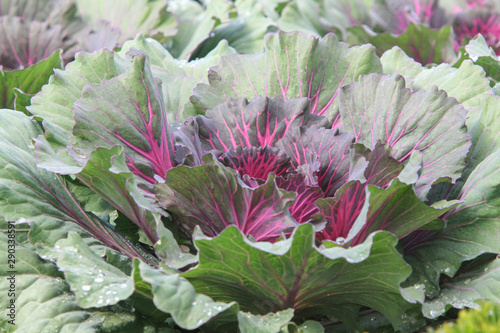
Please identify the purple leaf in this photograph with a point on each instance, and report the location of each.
(258, 123)
(127, 110)
(213, 197)
(24, 43)
(392, 205)
(257, 162)
(329, 147)
(303, 208)
(380, 108)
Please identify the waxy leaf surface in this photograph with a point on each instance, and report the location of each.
(467, 83)
(326, 146)
(472, 228)
(213, 197)
(127, 110)
(293, 65)
(35, 194)
(423, 44)
(54, 104)
(381, 108)
(258, 123)
(44, 301)
(264, 277)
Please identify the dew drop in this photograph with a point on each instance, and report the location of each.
(212, 34)
(98, 279)
(100, 301)
(86, 288)
(82, 156)
(433, 313)
(123, 285)
(340, 240)
(447, 270)
(108, 301)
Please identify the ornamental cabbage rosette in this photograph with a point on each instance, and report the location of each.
(288, 178)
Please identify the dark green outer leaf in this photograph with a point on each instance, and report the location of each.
(45, 304)
(31, 193)
(423, 44)
(265, 277)
(480, 282)
(127, 110)
(472, 228)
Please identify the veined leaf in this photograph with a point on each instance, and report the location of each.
(472, 228)
(374, 200)
(326, 146)
(29, 80)
(293, 273)
(54, 104)
(380, 108)
(466, 83)
(35, 194)
(44, 303)
(293, 65)
(258, 123)
(178, 77)
(127, 110)
(214, 197)
(423, 44)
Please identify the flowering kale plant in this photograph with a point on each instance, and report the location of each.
(177, 184)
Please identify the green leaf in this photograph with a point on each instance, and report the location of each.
(321, 17)
(29, 81)
(127, 111)
(484, 56)
(130, 17)
(169, 251)
(213, 197)
(485, 135)
(270, 323)
(195, 24)
(479, 282)
(472, 228)
(293, 65)
(35, 194)
(466, 83)
(44, 302)
(107, 175)
(54, 104)
(380, 108)
(94, 282)
(245, 32)
(395, 209)
(265, 277)
(423, 44)
(175, 295)
(178, 76)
